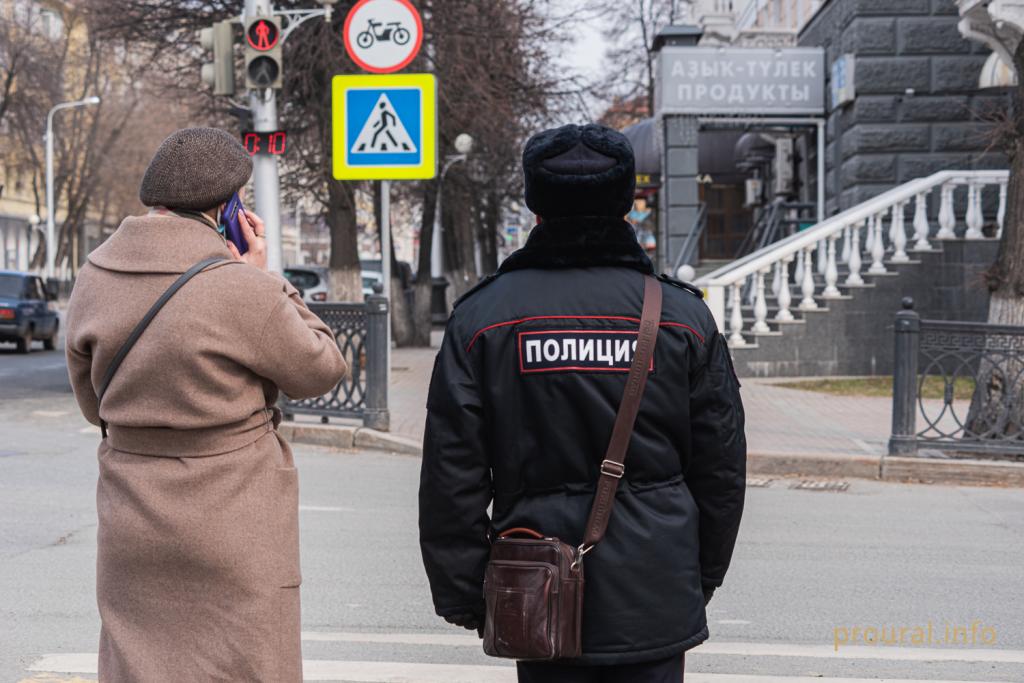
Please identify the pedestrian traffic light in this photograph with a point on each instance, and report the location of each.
(220, 73)
(263, 61)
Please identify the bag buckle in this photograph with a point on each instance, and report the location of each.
(580, 552)
(613, 469)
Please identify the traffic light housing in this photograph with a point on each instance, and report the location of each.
(264, 65)
(220, 73)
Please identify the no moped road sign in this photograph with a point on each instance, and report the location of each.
(383, 36)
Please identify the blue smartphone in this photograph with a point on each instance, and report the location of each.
(232, 228)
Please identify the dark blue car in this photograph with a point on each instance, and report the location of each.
(25, 311)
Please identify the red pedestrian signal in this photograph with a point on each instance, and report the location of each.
(262, 35)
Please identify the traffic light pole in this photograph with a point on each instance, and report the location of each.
(266, 184)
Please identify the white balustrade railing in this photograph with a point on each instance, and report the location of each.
(870, 233)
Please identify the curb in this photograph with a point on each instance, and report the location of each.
(348, 437)
(947, 471)
(916, 470)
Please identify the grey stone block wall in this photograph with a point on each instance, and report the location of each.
(888, 136)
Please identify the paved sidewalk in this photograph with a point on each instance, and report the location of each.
(779, 420)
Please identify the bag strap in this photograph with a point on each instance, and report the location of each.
(141, 327)
(613, 466)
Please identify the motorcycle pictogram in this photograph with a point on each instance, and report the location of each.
(392, 31)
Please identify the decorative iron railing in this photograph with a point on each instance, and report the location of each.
(957, 386)
(361, 331)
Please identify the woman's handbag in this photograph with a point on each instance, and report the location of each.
(533, 584)
(143, 324)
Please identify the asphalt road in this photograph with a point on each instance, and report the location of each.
(808, 563)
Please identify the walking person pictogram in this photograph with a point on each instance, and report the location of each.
(384, 131)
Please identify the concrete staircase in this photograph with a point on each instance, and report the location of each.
(852, 334)
(836, 317)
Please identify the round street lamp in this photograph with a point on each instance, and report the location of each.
(50, 208)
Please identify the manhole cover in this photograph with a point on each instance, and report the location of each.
(836, 485)
(759, 482)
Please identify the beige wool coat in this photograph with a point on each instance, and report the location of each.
(198, 542)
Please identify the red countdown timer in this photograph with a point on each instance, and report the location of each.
(262, 35)
(272, 142)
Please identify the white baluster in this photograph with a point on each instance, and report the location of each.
(822, 257)
(921, 227)
(854, 277)
(776, 278)
(869, 237)
(899, 235)
(893, 224)
(760, 304)
(798, 272)
(807, 288)
(736, 319)
(947, 219)
(877, 248)
(845, 256)
(831, 271)
(974, 218)
(1001, 216)
(784, 296)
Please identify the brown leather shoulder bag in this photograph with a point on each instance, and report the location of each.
(533, 585)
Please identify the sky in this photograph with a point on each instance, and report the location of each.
(588, 53)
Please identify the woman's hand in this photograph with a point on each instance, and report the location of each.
(255, 236)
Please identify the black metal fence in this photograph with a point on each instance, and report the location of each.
(362, 334)
(957, 386)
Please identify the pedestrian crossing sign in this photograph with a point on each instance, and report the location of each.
(384, 127)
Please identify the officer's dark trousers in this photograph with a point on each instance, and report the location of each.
(661, 671)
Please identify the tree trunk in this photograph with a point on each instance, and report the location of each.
(996, 408)
(346, 279)
(490, 229)
(424, 288)
(459, 240)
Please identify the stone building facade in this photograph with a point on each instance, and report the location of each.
(917, 107)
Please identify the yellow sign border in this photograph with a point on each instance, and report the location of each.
(427, 168)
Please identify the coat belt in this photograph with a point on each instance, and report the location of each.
(184, 443)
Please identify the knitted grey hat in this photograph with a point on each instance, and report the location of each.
(195, 168)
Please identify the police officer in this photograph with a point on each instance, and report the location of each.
(521, 405)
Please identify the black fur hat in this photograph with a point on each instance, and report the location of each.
(579, 171)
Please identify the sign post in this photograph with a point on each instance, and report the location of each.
(384, 127)
(266, 184)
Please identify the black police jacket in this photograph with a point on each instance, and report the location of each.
(521, 405)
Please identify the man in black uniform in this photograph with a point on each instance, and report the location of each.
(524, 393)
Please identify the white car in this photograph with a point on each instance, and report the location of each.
(371, 278)
(312, 281)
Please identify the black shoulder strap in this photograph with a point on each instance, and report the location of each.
(141, 327)
(613, 466)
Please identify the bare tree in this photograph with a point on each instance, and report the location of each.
(631, 26)
(48, 59)
(500, 80)
(995, 406)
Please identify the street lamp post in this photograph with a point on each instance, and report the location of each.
(463, 145)
(51, 252)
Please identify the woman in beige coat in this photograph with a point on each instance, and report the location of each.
(198, 560)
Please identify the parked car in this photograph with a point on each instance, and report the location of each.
(312, 281)
(25, 311)
(371, 278)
